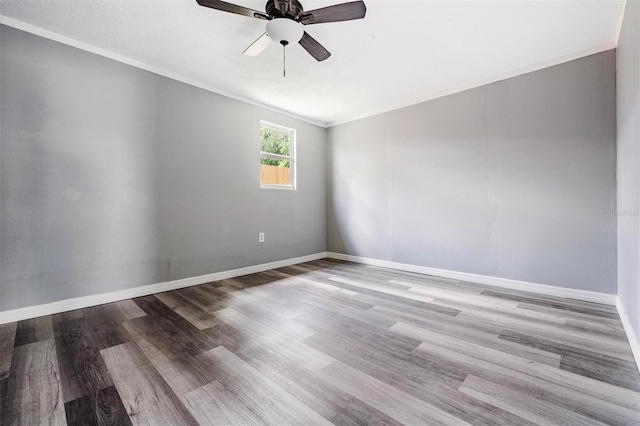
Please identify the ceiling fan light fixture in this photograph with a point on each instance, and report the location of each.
(284, 30)
(286, 19)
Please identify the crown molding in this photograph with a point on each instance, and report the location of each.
(41, 32)
(515, 73)
(620, 21)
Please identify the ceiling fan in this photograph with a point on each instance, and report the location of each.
(286, 19)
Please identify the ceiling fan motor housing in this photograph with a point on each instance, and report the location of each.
(284, 30)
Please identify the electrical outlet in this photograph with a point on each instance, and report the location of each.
(261, 237)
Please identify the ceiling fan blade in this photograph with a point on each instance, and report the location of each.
(258, 46)
(233, 8)
(335, 13)
(314, 48)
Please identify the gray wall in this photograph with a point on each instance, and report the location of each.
(628, 83)
(114, 177)
(515, 179)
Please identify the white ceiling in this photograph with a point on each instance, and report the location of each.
(402, 53)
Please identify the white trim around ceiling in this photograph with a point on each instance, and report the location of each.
(548, 290)
(621, 21)
(520, 71)
(115, 296)
(29, 28)
(11, 22)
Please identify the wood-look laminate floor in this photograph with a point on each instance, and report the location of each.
(324, 342)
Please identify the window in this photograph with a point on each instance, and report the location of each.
(277, 156)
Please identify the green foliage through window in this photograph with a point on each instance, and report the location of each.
(274, 141)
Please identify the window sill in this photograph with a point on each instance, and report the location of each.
(278, 187)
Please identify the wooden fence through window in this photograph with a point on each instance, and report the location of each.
(274, 175)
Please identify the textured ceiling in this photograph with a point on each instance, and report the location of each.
(402, 53)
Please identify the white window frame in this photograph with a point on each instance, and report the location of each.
(291, 158)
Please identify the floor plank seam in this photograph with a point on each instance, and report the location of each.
(324, 342)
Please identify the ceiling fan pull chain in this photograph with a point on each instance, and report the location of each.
(284, 57)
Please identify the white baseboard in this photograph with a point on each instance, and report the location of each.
(100, 299)
(628, 329)
(588, 296)
(584, 295)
